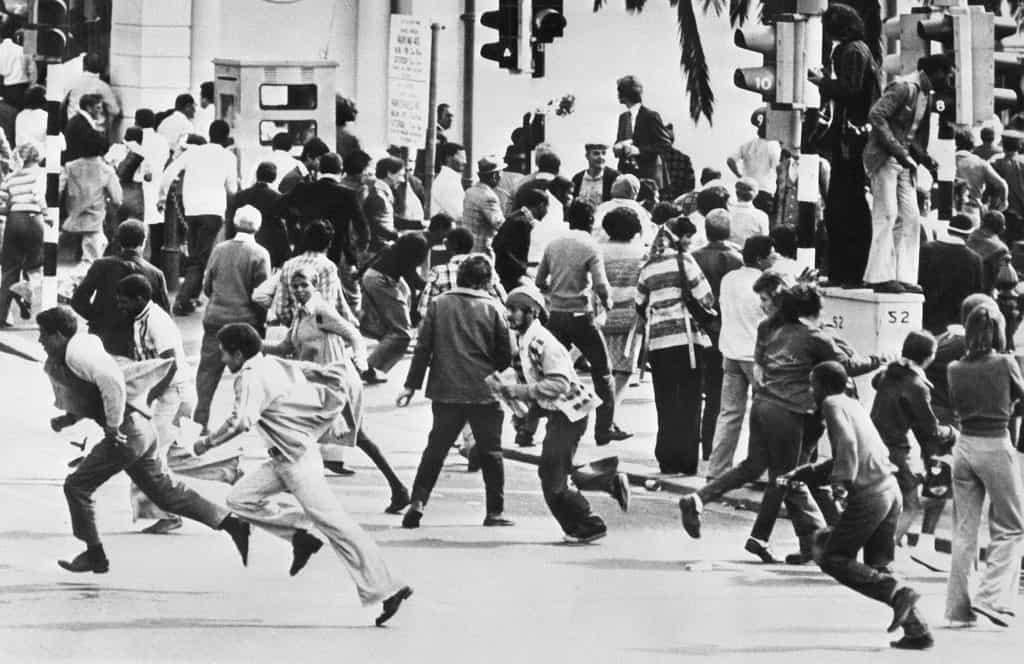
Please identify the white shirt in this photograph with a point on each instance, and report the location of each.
(446, 194)
(30, 127)
(204, 117)
(285, 163)
(211, 174)
(633, 111)
(747, 221)
(155, 153)
(174, 127)
(759, 158)
(741, 313)
(155, 333)
(12, 63)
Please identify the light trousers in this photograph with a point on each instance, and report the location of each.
(251, 500)
(737, 377)
(165, 422)
(895, 225)
(985, 466)
(93, 246)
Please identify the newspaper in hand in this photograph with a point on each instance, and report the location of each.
(494, 381)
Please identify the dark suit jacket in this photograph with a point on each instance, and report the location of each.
(947, 274)
(272, 234)
(651, 137)
(328, 200)
(76, 132)
(512, 249)
(606, 185)
(94, 298)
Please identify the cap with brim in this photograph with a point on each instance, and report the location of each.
(488, 164)
(595, 146)
(527, 298)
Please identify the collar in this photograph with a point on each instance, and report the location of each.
(634, 108)
(245, 238)
(131, 253)
(949, 238)
(743, 204)
(145, 311)
(916, 369)
(333, 177)
(599, 176)
(92, 123)
(471, 292)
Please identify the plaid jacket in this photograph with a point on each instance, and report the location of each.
(442, 279)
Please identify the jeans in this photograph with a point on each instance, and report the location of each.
(677, 402)
(200, 236)
(896, 225)
(251, 499)
(985, 466)
(737, 377)
(22, 253)
(578, 329)
(711, 377)
(868, 523)
(138, 458)
(165, 415)
(567, 505)
(449, 418)
(847, 217)
(208, 375)
(388, 299)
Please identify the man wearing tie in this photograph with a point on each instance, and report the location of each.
(643, 129)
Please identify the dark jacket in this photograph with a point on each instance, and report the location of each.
(272, 235)
(607, 180)
(341, 207)
(949, 347)
(94, 298)
(891, 118)
(651, 137)
(947, 274)
(716, 260)
(512, 248)
(402, 260)
(76, 132)
(463, 339)
(903, 403)
(994, 254)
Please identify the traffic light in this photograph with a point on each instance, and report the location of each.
(546, 24)
(506, 20)
(760, 39)
(48, 33)
(1007, 68)
(913, 46)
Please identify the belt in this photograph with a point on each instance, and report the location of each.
(275, 453)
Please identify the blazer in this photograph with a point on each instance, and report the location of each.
(272, 235)
(76, 132)
(481, 214)
(891, 118)
(650, 136)
(608, 178)
(341, 207)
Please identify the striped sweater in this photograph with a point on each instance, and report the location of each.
(24, 191)
(622, 263)
(659, 292)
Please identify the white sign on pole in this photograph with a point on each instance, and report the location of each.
(408, 80)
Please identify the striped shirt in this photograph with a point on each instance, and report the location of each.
(622, 263)
(659, 292)
(442, 278)
(155, 333)
(24, 191)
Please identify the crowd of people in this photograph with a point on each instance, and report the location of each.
(508, 290)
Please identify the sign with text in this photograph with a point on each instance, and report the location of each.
(408, 80)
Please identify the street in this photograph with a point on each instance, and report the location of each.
(645, 593)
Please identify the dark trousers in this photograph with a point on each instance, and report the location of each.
(201, 235)
(677, 401)
(370, 449)
(711, 384)
(208, 374)
(847, 218)
(22, 253)
(776, 436)
(156, 247)
(485, 421)
(578, 329)
(868, 523)
(765, 202)
(567, 505)
(138, 458)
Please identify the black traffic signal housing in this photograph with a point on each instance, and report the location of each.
(506, 20)
(547, 23)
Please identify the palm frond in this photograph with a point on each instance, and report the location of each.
(739, 12)
(693, 62)
(717, 5)
(635, 6)
(599, 5)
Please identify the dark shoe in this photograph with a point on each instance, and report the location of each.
(374, 377)
(412, 519)
(923, 642)
(163, 526)
(613, 434)
(903, 602)
(391, 605)
(239, 532)
(911, 288)
(497, 520)
(762, 551)
(24, 308)
(582, 365)
(620, 491)
(338, 468)
(798, 558)
(886, 287)
(87, 561)
(585, 537)
(996, 617)
(690, 515)
(399, 501)
(304, 546)
(524, 439)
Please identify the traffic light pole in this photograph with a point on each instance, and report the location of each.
(431, 146)
(468, 74)
(53, 74)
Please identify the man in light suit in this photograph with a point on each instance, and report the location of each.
(643, 129)
(481, 210)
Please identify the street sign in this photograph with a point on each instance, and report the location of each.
(408, 80)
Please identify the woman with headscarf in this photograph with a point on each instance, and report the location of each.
(983, 389)
(319, 334)
(624, 192)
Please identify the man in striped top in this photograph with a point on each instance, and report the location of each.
(675, 344)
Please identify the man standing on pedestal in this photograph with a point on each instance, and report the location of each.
(643, 129)
(898, 142)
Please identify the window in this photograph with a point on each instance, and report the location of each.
(279, 97)
(300, 130)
